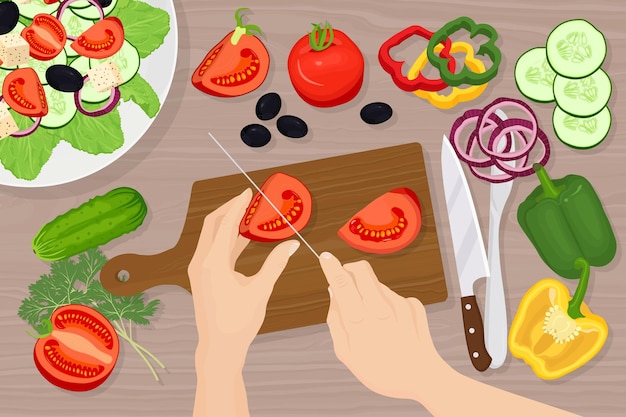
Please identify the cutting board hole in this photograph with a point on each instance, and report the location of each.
(123, 275)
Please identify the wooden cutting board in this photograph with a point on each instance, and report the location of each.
(340, 186)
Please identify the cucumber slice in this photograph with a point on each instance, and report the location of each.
(583, 97)
(17, 29)
(80, 4)
(92, 12)
(29, 10)
(40, 67)
(81, 64)
(3, 75)
(126, 59)
(88, 93)
(61, 108)
(534, 76)
(581, 132)
(576, 49)
(74, 26)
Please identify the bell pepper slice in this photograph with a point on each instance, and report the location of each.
(458, 95)
(552, 336)
(394, 68)
(466, 75)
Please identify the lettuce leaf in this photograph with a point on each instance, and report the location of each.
(144, 26)
(142, 93)
(95, 135)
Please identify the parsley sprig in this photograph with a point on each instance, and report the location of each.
(73, 281)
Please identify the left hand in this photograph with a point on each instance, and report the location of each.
(229, 306)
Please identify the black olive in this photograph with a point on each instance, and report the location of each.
(9, 15)
(375, 113)
(64, 78)
(255, 135)
(104, 3)
(292, 126)
(268, 106)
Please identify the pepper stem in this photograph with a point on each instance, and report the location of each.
(573, 309)
(549, 189)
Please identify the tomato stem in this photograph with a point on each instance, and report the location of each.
(317, 37)
(242, 29)
(47, 333)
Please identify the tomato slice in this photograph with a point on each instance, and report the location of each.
(233, 70)
(80, 352)
(290, 196)
(46, 37)
(386, 225)
(102, 40)
(23, 92)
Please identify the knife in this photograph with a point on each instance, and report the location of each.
(469, 251)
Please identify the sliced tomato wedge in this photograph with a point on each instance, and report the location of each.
(80, 352)
(263, 224)
(46, 37)
(23, 92)
(386, 225)
(102, 40)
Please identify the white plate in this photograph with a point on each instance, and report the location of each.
(67, 164)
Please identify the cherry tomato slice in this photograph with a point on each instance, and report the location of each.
(80, 352)
(46, 37)
(261, 222)
(387, 224)
(23, 92)
(102, 40)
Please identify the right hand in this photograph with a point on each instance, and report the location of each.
(381, 337)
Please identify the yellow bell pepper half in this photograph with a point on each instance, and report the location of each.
(545, 336)
(458, 95)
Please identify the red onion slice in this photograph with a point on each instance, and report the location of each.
(106, 108)
(66, 3)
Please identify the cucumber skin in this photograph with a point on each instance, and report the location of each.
(92, 224)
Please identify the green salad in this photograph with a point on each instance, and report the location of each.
(90, 128)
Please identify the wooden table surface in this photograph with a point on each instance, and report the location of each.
(294, 372)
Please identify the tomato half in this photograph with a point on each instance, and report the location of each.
(330, 76)
(46, 37)
(290, 196)
(23, 92)
(81, 351)
(237, 65)
(101, 40)
(387, 224)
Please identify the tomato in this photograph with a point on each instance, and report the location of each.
(46, 37)
(101, 40)
(387, 224)
(237, 65)
(290, 196)
(23, 92)
(80, 352)
(326, 67)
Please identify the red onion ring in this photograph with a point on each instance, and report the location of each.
(29, 130)
(486, 123)
(66, 3)
(106, 108)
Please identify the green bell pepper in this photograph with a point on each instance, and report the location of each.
(564, 219)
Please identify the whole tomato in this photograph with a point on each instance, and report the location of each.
(237, 65)
(326, 67)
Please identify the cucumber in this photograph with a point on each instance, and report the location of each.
(534, 76)
(92, 12)
(583, 97)
(17, 29)
(81, 64)
(29, 10)
(74, 26)
(88, 93)
(126, 59)
(581, 132)
(61, 108)
(92, 224)
(40, 67)
(576, 49)
(80, 4)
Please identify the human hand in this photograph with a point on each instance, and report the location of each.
(381, 337)
(229, 306)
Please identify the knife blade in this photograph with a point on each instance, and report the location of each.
(469, 251)
(245, 174)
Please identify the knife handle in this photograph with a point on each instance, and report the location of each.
(474, 333)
